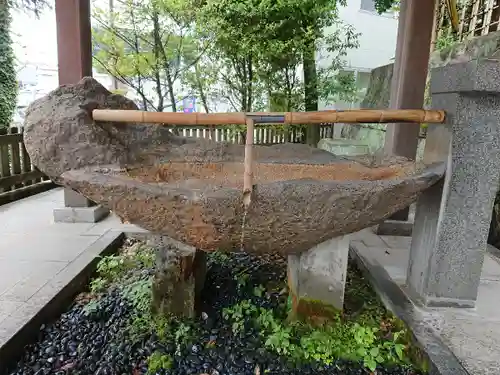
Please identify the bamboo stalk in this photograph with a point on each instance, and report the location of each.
(248, 172)
(366, 116)
(240, 118)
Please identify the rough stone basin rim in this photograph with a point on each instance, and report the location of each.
(190, 189)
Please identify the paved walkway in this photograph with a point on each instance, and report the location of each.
(473, 335)
(39, 257)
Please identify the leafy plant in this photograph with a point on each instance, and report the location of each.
(115, 267)
(181, 336)
(339, 338)
(91, 307)
(259, 291)
(238, 313)
(159, 361)
(241, 279)
(138, 294)
(217, 257)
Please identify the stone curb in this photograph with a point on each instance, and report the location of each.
(441, 359)
(58, 294)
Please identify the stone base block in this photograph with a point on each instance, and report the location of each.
(431, 302)
(344, 147)
(179, 277)
(316, 279)
(395, 228)
(92, 214)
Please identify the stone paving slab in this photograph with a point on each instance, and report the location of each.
(473, 335)
(39, 258)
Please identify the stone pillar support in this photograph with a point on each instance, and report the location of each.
(453, 217)
(74, 50)
(317, 278)
(179, 277)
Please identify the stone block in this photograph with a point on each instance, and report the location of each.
(74, 199)
(397, 242)
(179, 277)
(316, 278)
(395, 228)
(344, 147)
(91, 214)
(453, 216)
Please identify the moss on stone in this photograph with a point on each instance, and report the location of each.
(312, 311)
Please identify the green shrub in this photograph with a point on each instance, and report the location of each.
(8, 82)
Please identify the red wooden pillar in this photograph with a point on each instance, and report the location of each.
(74, 40)
(409, 77)
(74, 53)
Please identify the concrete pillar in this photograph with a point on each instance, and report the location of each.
(74, 52)
(316, 279)
(453, 217)
(408, 88)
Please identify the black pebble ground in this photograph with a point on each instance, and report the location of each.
(85, 344)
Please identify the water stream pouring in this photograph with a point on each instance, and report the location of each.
(213, 195)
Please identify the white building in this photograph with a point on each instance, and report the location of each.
(377, 43)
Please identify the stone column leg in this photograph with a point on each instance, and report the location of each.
(74, 52)
(453, 217)
(79, 209)
(179, 277)
(316, 279)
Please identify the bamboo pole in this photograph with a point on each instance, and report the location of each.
(366, 116)
(248, 171)
(240, 118)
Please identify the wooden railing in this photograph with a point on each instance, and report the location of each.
(18, 177)
(264, 135)
(476, 17)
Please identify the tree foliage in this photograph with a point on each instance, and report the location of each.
(266, 42)
(249, 54)
(383, 6)
(146, 48)
(8, 81)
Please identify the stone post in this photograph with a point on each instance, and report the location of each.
(74, 50)
(316, 279)
(453, 217)
(179, 277)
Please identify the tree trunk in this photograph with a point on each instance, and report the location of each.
(157, 47)
(203, 97)
(311, 91)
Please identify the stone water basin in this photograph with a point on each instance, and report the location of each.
(293, 208)
(191, 189)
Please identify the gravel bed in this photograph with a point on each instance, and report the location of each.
(241, 327)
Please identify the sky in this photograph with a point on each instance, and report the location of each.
(35, 39)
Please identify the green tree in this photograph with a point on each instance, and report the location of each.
(147, 48)
(28, 5)
(263, 43)
(8, 81)
(383, 6)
